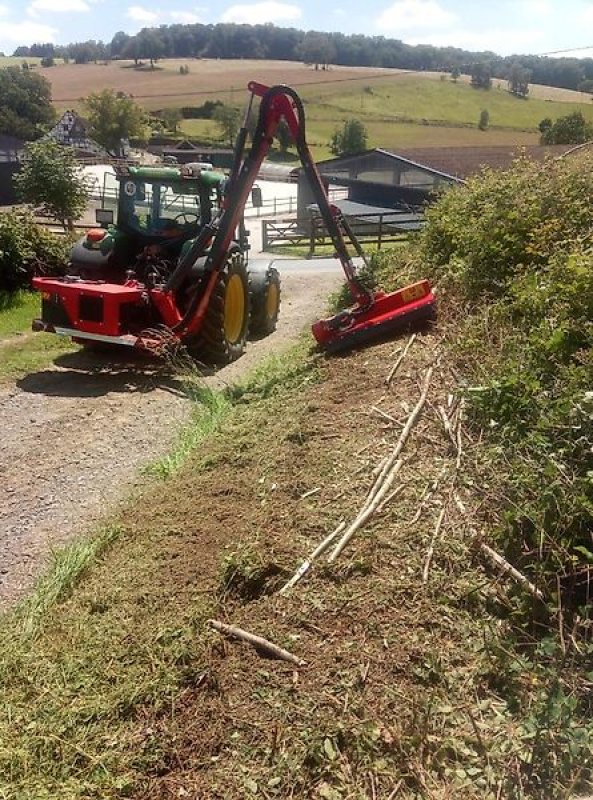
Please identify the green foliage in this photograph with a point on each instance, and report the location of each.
(50, 179)
(571, 129)
(317, 48)
(481, 75)
(113, 117)
(25, 109)
(518, 80)
(516, 247)
(351, 139)
(228, 119)
(172, 117)
(484, 121)
(25, 247)
(205, 111)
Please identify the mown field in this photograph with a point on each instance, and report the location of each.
(400, 109)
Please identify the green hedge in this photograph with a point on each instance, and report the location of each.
(26, 249)
(516, 246)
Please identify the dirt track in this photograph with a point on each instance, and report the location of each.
(76, 435)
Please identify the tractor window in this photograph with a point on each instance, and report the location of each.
(154, 209)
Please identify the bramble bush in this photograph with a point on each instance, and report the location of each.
(25, 248)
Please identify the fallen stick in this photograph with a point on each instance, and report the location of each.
(308, 562)
(390, 459)
(447, 425)
(310, 492)
(433, 541)
(256, 641)
(386, 416)
(388, 499)
(366, 512)
(459, 442)
(395, 367)
(508, 569)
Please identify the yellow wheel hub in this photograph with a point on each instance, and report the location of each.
(234, 309)
(272, 301)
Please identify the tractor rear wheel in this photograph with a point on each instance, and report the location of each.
(223, 333)
(264, 286)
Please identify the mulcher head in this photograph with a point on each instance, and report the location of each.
(387, 315)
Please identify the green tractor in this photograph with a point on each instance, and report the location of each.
(113, 291)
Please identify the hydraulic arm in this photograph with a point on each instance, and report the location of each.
(371, 314)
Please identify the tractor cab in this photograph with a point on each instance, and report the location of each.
(158, 210)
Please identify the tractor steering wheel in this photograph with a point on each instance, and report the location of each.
(187, 218)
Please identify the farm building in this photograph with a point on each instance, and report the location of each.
(411, 177)
(10, 151)
(71, 130)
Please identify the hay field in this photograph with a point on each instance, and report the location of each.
(164, 86)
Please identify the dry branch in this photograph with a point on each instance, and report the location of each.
(307, 563)
(390, 459)
(389, 468)
(258, 642)
(508, 569)
(458, 437)
(426, 496)
(395, 367)
(447, 425)
(366, 512)
(433, 541)
(386, 416)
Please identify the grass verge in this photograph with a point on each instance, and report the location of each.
(17, 309)
(81, 664)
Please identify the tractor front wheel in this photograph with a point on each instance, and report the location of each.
(264, 288)
(223, 333)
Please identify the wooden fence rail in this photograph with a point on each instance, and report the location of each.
(375, 229)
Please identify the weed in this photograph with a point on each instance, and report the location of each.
(67, 566)
(246, 573)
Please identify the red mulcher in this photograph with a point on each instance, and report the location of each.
(129, 309)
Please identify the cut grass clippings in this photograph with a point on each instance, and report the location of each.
(120, 689)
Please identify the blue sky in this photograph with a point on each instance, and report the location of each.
(506, 26)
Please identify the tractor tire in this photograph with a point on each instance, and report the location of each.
(223, 334)
(264, 289)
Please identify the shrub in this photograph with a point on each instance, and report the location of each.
(516, 247)
(26, 247)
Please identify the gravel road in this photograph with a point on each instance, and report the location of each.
(77, 434)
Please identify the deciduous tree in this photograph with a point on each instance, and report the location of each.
(352, 138)
(114, 117)
(228, 119)
(25, 103)
(50, 178)
(571, 129)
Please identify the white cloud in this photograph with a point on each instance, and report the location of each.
(28, 33)
(498, 40)
(184, 17)
(535, 8)
(3, 11)
(415, 15)
(141, 14)
(260, 13)
(57, 6)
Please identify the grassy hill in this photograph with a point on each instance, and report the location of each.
(399, 108)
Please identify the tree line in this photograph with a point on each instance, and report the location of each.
(229, 40)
